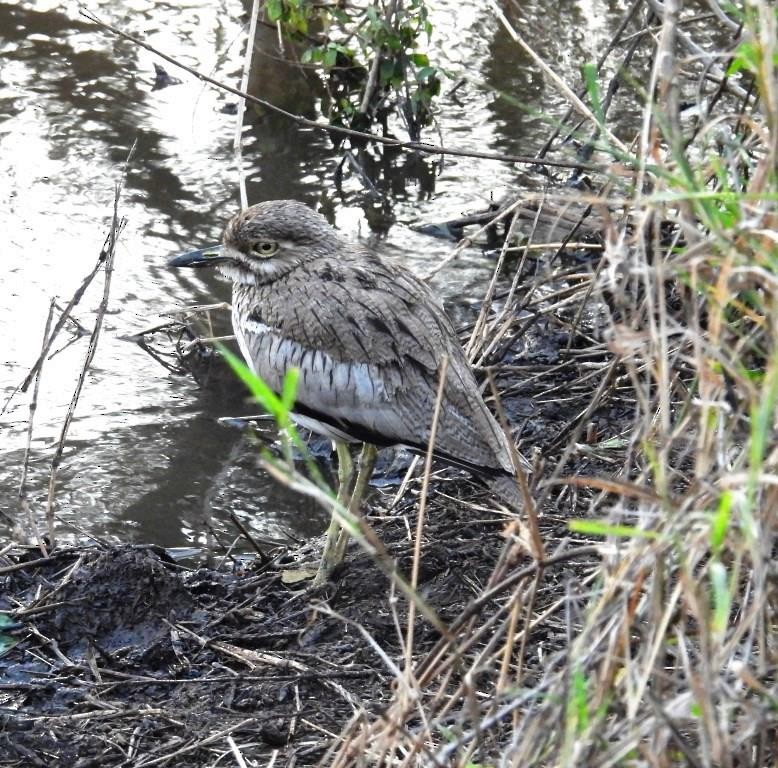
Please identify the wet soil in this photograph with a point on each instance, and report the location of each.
(125, 657)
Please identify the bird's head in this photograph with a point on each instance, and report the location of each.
(265, 242)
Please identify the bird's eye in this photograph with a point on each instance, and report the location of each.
(264, 248)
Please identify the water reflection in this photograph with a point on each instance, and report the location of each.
(146, 458)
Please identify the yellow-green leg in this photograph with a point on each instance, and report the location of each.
(337, 537)
(345, 469)
(345, 478)
(364, 473)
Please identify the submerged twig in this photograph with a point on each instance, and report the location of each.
(106, 261)
(23, 501)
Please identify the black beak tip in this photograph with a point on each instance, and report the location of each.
(205, 257)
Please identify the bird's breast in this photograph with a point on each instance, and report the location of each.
(325, 383)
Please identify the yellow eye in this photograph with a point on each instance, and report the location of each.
(264, 248)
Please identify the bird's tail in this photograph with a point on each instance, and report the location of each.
(507, 488)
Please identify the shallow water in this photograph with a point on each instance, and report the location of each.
(145, 459)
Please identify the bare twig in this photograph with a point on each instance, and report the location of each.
(238, 139)
(23, 501)
(105, 260)
(411, 146)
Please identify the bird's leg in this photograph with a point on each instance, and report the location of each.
(337, 537)
(345, 481)
(345, 472)
(364, 473)
(328, 556)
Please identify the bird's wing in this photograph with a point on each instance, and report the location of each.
(368, 339)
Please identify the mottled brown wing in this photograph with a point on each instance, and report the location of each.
(368, 339)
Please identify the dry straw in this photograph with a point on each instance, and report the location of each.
(657, 644)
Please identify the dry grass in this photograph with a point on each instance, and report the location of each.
(632, 622)
(662, 649)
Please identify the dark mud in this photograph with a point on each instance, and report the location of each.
(124, 657)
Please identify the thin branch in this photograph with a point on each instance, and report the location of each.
(106, 259)
(411, 146)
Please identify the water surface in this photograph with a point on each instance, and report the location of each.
(146, 459)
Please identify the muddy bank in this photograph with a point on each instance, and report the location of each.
(124, 657)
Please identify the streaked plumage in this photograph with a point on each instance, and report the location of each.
(367, 336)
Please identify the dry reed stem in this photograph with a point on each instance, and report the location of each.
(24, 503)
(416, 562)
(656, 658)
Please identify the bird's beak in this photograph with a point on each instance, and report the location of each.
(205, 257)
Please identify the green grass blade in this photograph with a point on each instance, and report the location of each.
(603, 528)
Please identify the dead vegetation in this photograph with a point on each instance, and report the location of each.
(643, 372)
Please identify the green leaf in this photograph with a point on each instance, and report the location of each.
(746, 57)
(274, 10)
(579, 701)
(386, 71)
(720, 522)
(330, 57)
(278, 407)
(298, 22)
(395, 43)
(420, 59)
(290, 388)
(593, 89)
(603, 528)
(762, 415)
(263, 394)
(612, 443)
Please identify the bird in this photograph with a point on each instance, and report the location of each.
(367, 337)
